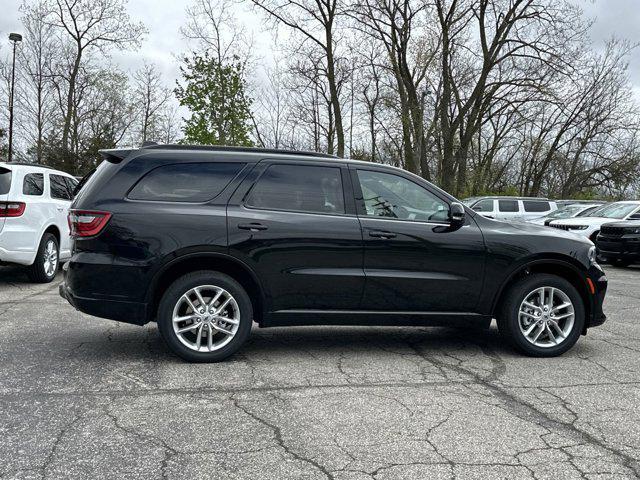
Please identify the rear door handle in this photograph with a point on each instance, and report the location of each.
(254, 227)
(381, 234)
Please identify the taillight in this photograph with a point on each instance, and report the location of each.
(12, 209)
(87, 223)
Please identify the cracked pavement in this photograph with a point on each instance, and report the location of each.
(82, 397)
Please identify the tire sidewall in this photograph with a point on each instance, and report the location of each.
(512, 308)
(36, 271)
(184, 284)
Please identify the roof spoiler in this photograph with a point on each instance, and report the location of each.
(115, 155)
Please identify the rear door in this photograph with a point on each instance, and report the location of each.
(61, 197)
(294, 224)
(508, 209)
(5, 187)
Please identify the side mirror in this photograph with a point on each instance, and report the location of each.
(456, 213)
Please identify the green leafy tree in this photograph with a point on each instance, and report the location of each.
(215, 95)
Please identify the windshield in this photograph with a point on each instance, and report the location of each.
(5, 181)
(615, 210)
(566, 212)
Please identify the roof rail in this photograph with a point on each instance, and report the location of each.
(225, 148)
(30, 164)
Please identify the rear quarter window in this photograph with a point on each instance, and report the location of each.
(536, 206)
(185, 182)
(33, 184)
(5, 181)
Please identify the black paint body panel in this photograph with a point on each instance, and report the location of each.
(310, 268)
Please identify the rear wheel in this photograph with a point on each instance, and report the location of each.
(205, 316)
(542, 315)
(45, 266)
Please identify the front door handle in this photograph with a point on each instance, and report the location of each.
(381, 234)
(254, 227)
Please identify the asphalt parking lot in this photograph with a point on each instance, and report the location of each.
(84, 398)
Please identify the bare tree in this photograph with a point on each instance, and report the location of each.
(35, 97)
(316, 22)
(86, 25)
(150, 96)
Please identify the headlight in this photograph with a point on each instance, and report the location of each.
(579, 227)
(592, 256)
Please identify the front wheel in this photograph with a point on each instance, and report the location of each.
(542, 315)
(205, 316)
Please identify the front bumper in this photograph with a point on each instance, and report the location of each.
(625, 246)
(600, 283)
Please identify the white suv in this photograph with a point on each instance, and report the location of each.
(511, 208)
(34, 201)
(590, 226)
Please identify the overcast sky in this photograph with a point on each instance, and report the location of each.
(163, 18)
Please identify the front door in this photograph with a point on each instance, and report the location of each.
(295, 226)
(414, 260)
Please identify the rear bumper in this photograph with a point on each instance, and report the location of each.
(127, 312)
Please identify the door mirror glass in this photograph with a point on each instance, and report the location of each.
(456, 215)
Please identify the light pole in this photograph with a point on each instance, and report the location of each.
(15, 38)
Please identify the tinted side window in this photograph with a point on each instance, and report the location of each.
(388, 195)
(33, 184)
(302, 188)
(58, 187)
(535, 206)
(185, 182)
(5, 181)
(484, 206)
(508, 205)
(72, 183)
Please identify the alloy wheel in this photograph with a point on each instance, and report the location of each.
(546, 317)
(206, 318)
(50, 257)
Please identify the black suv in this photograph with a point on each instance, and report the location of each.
(619, 242)
(205, 240)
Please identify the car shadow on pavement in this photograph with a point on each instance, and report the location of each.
(14, 275)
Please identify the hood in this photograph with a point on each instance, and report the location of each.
(537, 230)
(590, 221)
(624, 223)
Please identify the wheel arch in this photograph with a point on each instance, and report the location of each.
(564, 268)
(54, 230)
(218, 262)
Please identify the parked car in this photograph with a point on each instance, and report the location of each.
(568, 211)
(34, 201)
(205, 240)
(619, 242)
(565, 202)
(511, 208)
(590, 226)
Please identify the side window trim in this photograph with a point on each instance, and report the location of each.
(359, 196)
(263, 166)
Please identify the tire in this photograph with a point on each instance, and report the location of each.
(42, 270)
(510, 317)
(620, 262)
(174, 303)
